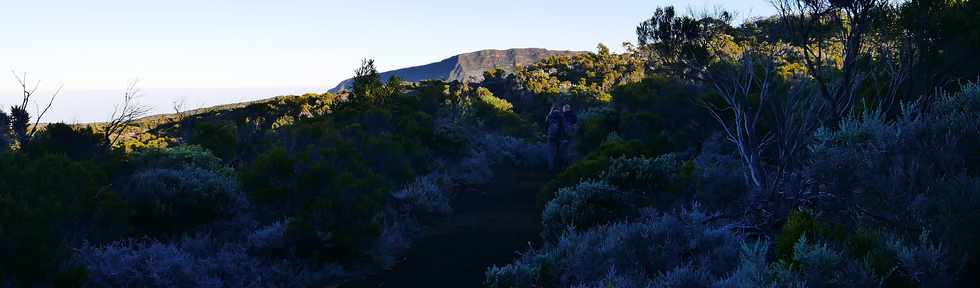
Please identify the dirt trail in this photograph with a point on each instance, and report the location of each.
(490, 225)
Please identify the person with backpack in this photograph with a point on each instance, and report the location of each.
(561, 124)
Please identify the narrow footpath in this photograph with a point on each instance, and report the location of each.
(490, 225)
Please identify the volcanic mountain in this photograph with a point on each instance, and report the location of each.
(467, 66)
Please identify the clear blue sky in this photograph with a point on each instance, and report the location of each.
(197, 48)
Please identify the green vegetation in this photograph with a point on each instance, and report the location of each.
(832, 144)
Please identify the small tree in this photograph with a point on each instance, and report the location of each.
(744, 87)
(20, 119)
(817, 27)
(124, 115)
(366, 81)
(679, 44)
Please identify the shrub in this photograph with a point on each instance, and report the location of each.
(924, 263)
(584, 206)
(911, 174)
(717, 179)
(185, 156)
(590, 166)
(166, 201)
(47, 202)
(656, 248)
(61, 138)
(267, 237)
(596, 124)
(660, 178)
(220, 139)
(269, 178)
(194, 262)
(512, 150)
(821, 265)
(421, 198)
(474, 169)
(497, 115)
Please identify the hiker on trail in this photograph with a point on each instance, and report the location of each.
(561, 125)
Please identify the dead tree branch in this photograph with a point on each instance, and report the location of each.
(124, 115)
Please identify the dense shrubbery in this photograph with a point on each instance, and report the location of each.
(47, 204)
(194, 262)
(885, 194)
(666, 174)
(179, 157)
(492, 114)
(912, 174)
(586, 205)
(60, 138)
(589, 166)
(625, 186)
(166, 201)
(670, 250)
(221, 139)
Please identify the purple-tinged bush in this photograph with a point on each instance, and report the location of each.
(272, 236)
(473, 169)
(821, 265)
(512, 150)
(422, 197)
(668, 248)
(924, 263)
(398, 233)
(193, 262)
(717, 178)
(916, 173)
(406, 211)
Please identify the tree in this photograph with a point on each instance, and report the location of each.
(831, 35)
(744, 87)
(679, 44)
(366, 81)
(20, 119)
(946, 35)
(123, 115)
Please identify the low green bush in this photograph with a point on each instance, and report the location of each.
(590, 166)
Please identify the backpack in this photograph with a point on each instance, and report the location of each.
(569, 123)
(556, 126)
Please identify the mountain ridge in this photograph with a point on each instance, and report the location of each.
(467, 66)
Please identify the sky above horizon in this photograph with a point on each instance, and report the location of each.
(215, 52)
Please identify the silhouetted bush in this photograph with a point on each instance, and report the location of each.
(60, 138)
(47, 203)
(167, 201)
(221, 139)
(6, 138)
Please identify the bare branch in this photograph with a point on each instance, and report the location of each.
(37, 120)
(124, 114)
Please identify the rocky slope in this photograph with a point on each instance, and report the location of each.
(467, 66)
